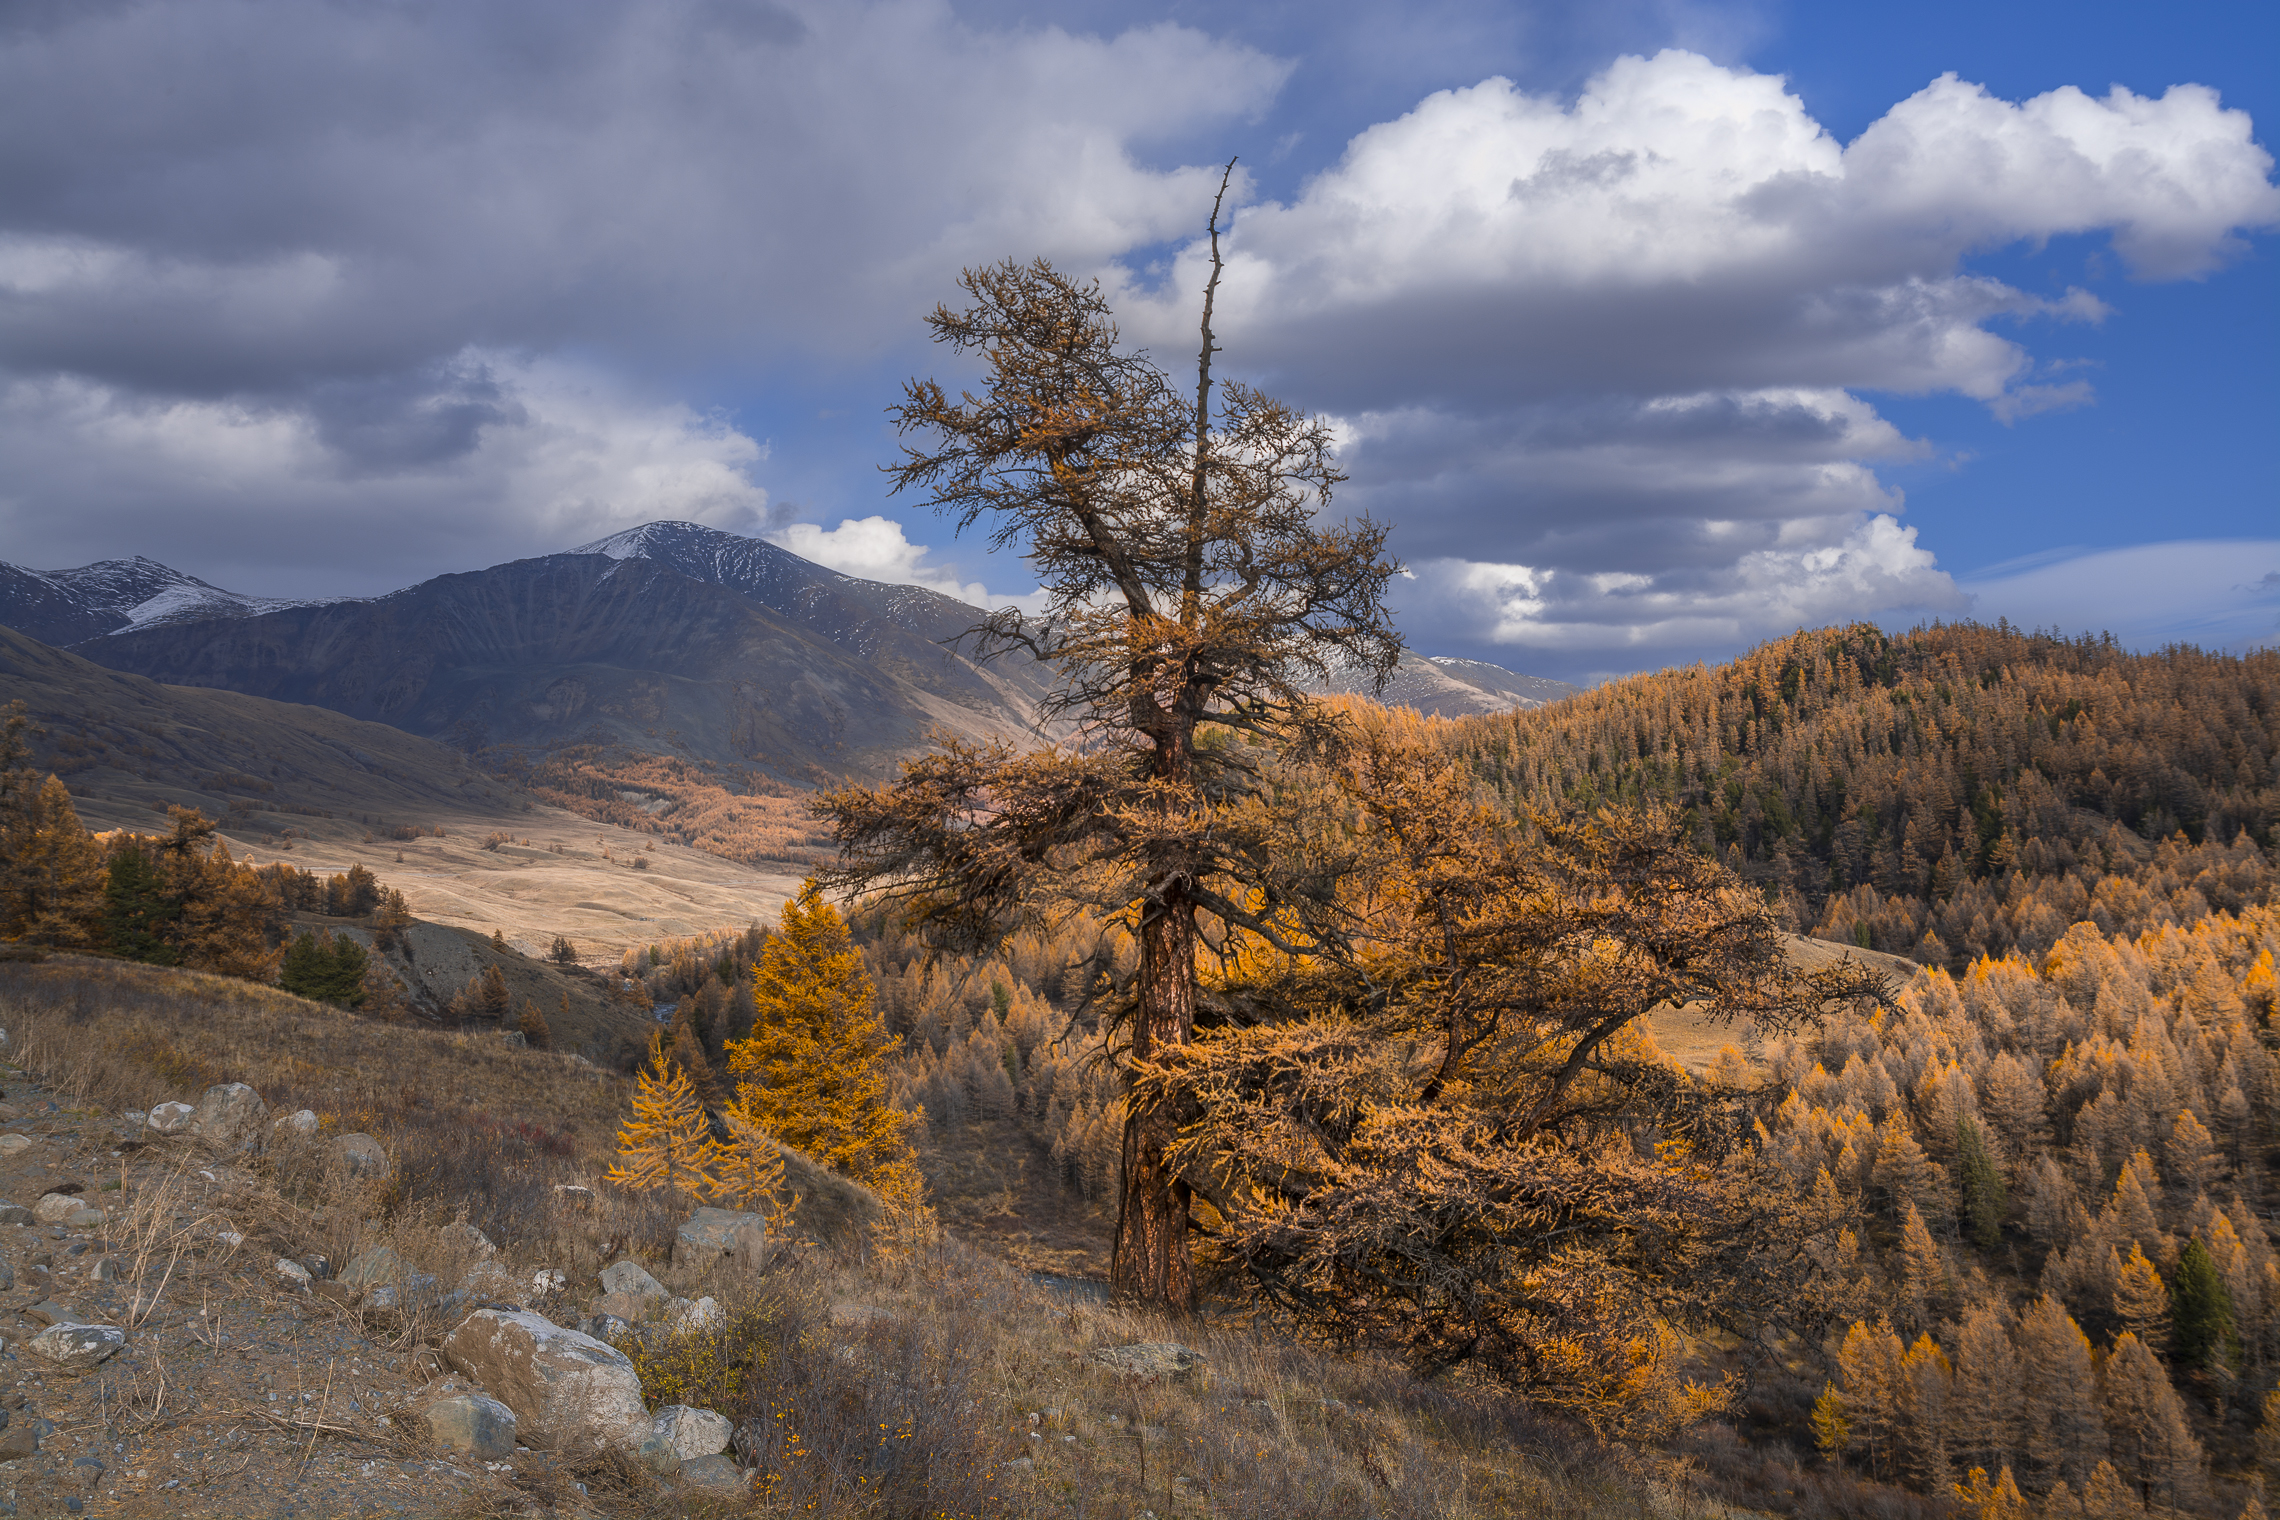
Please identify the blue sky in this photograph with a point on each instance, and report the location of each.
(1654, 329)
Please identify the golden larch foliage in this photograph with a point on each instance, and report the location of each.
(814, 1071)
(666, 1142)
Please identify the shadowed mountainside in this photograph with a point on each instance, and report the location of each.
(617, 647)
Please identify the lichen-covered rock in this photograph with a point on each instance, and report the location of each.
(704, 1314)
(380, 1264)
(69, 1345)
(14, 1213)
(691, 1433)
(170, 1119)
(630, 1278)
(1149, 1360)
(463, 1238)
(55, 1208)
(568, 1390)
(491, 1279)
(11, 1144)
(715, 1474)
(227, 1113)
(474, 1423)
(713, 1235)
(85, 1218)
(301, 1124)
(362, 1155)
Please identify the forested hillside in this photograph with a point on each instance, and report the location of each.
(1952, 792)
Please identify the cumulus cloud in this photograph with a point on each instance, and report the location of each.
(1603, 362)
(1701, 611)
(875, 549)
(312, 296)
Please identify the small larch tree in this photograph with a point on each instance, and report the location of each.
(814, 1071)
(666, 1142)
(1194, 581)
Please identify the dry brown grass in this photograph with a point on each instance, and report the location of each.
(929, 1382)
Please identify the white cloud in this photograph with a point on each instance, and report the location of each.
(1874, 567)
(259, 259)
(286, 288)
(535, 452)
(875, 549)
(1602, 362)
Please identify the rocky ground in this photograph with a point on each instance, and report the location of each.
(160, 1358)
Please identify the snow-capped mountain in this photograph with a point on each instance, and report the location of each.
(116, 596)
(671, 638)
(838, 605)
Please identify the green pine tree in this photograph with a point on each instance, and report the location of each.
(2200, 1310)
(138, 909)
(1984, 1199)
(325, 968)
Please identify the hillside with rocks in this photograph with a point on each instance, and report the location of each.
(318, 1265)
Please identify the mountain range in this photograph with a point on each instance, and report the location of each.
(671, 638)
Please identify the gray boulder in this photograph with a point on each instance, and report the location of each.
(715, 1474)
(55, 1208)
(714, 1235)
(300, 1124)
(631, 1279)
(1149, 1360)
(227, 1113)
(474, 1423)
(69, 1345)
(380, 1264)
(465, 1240)
(691, 1433)
(170, 1119)
(362, 1155)
(406, 1292)
(14, 1213)
(568, 1390)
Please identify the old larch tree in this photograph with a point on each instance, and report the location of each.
(1193, 583)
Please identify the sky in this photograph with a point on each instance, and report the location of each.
(1654, 329)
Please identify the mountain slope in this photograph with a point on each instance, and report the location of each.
(594, 650)
(324, 792)
(1953, 791)
(65, 607)
(1443, 686)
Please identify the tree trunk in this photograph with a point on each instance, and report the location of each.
(1151, 1263)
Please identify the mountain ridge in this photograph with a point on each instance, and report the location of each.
(670, 638)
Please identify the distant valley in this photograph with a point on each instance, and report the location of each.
(672, 692)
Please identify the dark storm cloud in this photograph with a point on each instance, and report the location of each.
(250, 244)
